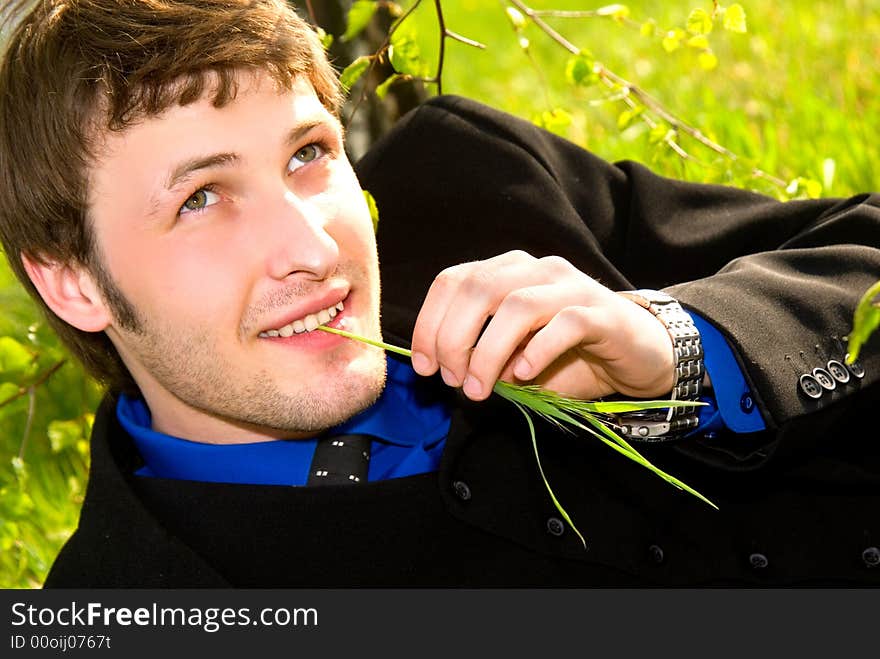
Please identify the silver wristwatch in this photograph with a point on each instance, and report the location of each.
(668, 424)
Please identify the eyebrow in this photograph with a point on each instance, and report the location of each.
(188, 167)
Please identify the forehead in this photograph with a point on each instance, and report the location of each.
(260, 110)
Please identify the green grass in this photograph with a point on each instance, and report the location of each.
(799, 90)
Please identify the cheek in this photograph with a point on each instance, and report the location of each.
(183, 280)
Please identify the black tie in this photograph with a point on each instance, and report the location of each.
(340, 460)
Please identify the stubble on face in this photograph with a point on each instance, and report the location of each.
(189, 364)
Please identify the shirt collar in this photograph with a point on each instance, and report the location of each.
(402, 416)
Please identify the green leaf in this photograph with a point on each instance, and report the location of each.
(698, 41)
(359, 17)
(8, 390)
(406, 57)
(15, 359)
(374, 209)
(353, 72)
(866, 319)
(556, 120)
(626, 117)
(580, 70)
(699, 22)
(382, 90)
(708, 60)
(735, 18)
(325, 37)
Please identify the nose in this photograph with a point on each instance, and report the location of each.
(300, 243)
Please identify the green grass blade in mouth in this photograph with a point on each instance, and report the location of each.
(566, 413)
(363, 339)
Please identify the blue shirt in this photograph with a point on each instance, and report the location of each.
(411, 434)
(730, 404)
(410, 431)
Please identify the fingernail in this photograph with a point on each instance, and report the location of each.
(522, 369)
(472, 386)
(448, 377)
(420, 362)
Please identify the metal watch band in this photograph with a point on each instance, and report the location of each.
(664, 425)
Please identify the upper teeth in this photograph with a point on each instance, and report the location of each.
(307, 324)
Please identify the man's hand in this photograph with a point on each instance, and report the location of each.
(549, 324)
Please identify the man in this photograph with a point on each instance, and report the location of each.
(177, 195)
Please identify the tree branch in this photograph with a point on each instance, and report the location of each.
(438, 77)
(643, 97)
(468, 42)
(375, 57)
(45, 375)
(311, 11)
(32, 404)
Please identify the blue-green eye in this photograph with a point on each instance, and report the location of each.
(307, 154)
(199, 200)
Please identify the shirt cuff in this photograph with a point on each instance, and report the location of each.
(730, 403)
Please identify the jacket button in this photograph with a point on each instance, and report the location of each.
(462, 490)
(747, 403)
(758, 561)
(871, 556)
(655, 552)
(555, 526)
(838, 371)
(856, 369)
(824, 378)
(810, 386)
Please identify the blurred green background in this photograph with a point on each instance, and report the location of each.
(797, 95)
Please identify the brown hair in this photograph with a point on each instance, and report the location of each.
(74, 68)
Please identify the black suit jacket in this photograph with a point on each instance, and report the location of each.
(458, 181)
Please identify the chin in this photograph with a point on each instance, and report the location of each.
(339, 397)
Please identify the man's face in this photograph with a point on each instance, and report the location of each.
(227, 230)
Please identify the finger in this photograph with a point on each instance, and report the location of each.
(443, 289)
(573, 327)
(456, 308)
(519, 314)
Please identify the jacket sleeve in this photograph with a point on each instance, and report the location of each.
(457, 181)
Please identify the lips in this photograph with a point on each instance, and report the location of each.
(307, 323)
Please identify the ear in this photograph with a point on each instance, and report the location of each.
(70, 292)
